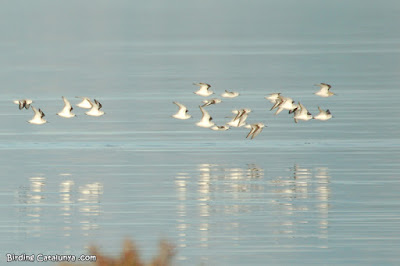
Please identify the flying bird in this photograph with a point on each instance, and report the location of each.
(284, 103)
(301, 113)
(95, 110)
(230, 94)
(182, 112)
(255, 129)
(211, 101)
(24, 103)
(205, 119)
(67, 110)
(324, 90)
(204, 89)
(85, 103)
(37, 118)
(220, 128)
(240, 118)
(323, 115)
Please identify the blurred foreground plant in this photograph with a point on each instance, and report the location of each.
(130, 256)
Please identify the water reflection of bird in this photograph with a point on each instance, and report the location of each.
(302, 197)
(254, 171)
(298, 199)
(299, 172)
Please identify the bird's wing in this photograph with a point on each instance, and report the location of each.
(203, 86)
(257, 131)
(98, 104)
(238, 114)
(67, 104)
(37, 113)
(277, 103)
(303, 109)
(327, 86)
(280, 109)
(181, 106)
(206, 115)
(41, 113)
(252, 129)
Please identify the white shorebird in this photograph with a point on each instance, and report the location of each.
(242, 116)
(37, 118)
(204, 89)
(301, 113)
(85, 103)
(284, 103)
(233, 123)
(273, 97)
(95, 110)
(220, 128)
(211, 101)
(324, 91)
(255, 129)
(323, 115)
(182, 112)
(277, 102)
(67, 110)
(205, 119)
(240, 119)
(230, 94)
(24, 103)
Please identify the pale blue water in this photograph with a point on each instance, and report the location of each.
(313, 192)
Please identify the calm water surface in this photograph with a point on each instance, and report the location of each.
(312, 192)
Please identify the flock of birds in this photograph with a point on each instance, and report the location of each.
(279, 102)
(66, 112)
